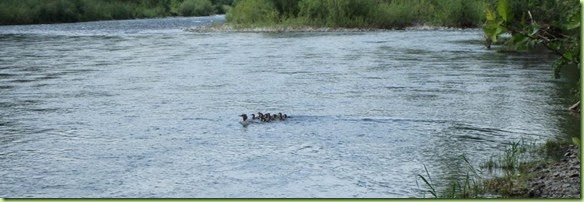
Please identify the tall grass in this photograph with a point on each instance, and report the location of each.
(509, 171)
(469, 186)
(359, 13)
(510, 159)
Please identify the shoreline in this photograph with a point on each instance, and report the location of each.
(542, 179)
(558, 179)
(228, 28)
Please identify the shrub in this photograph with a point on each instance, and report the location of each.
(459, 13)
(196, 8)
(253, 12)
(392, 15)
(361, 13)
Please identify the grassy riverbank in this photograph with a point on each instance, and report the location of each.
(58, 11)
(518, 172)
(382, 14)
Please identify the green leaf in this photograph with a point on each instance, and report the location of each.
(576, 141)
(503, 10)
(568, 56)
(492, 31)
(534, 29)
(517, 38)
(519, 41)
(490, 15)
(499, 30)
(572, 25)
(573, 21)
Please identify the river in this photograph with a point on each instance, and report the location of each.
(143, 108)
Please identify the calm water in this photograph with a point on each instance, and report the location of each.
(141, 108)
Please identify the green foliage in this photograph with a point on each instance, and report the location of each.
(54, 11)
(554, 25)
(331, 13)
(510, 171)
(253, 12)
(459, 13)
(513, 157)
(555, 149)
(196, 8)
(471, 185)
(222, 6)
(503, 10)
(393, 15)
(428, 183)
(286, 8)
(551, 24)
(360, 13)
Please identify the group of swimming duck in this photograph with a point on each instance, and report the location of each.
(261, 117)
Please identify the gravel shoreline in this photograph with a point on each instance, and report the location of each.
(231, 28)
(557, 180)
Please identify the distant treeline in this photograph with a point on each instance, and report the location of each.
(359, 13)
(56, 11)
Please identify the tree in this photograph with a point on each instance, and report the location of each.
(558, 30)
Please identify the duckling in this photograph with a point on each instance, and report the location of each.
(267, 117)
(281, 117)
(253, 117)
(274, 117)
(245, 122)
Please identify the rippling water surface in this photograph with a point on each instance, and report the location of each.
(141, 108)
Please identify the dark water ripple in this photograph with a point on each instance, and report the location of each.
(141, 108)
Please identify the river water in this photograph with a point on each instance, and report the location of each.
(143, 108)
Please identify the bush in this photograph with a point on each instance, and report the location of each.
(394, 15)
(120, 11)
(360, 13)
(313, 11)
(196, 8)
(459, 13)
(253, 12)
(53, 11)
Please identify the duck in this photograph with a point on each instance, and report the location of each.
(245, 122)
(282, 117)
(260, 115)
(267, 117)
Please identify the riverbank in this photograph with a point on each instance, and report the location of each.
(541, 178)
(283, 28)
(556, 180)
(523, 170)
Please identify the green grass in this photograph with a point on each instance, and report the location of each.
(470, 186)
(512, 156)
(383, 14)
(503, 175)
